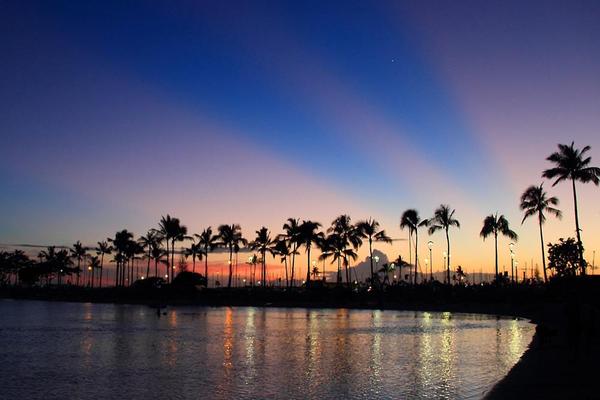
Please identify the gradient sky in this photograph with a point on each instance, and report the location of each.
(113, 113)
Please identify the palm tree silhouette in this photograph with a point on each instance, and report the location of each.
(350, 235)
(156, 254)
(335, 246)
(492, 225)
(122, 243)
(208, 242)
(94, 265)
(443, 218)
(282, 248)
(410, 219)
(78, 252)
(401, 263)
(315, 273)
(102, 249)
(572, 164)
(369, 229)
(172, 231)
(308, 235)
(263, 244)
(535, 201)
(292, 235)
(148, 242)
(386, 269)
(195, 250)
(230, 237)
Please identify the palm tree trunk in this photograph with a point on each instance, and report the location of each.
(193, 263)
(496, 248)
(416, 253)
(206, 265)
(172, 260)
(371, 254)
(149, 258)
(286, 272)
(308, 266)
(168, 266)
(264, 268)
(543, 252)
(156, 267)
(579, 243)
(101, 268)
(230, 267)
(293, 264)
(409, 254)
(448, 269)
(78, 269)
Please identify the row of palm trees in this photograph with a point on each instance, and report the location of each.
(339, 243)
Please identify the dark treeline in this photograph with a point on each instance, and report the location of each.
(338, 244)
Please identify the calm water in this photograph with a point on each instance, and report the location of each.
(102, 351)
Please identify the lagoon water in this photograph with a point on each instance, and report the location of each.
(54, 350)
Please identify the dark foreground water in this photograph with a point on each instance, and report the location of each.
(102, 351)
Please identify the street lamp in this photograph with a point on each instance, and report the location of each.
(376, 258)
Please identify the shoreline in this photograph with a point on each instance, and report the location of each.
(559, 362)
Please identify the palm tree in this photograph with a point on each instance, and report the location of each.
(263, 243)
(401, 263)
(350, 235)
(292, 235)
(308, 234)
(410, 219)
(121, 243)
(535, 201)
(78, 252)
(386, 269)
(172, 230)
(443, 218)
(148, 242)
(315, 273)
(94, 265)
(370, 230)
(572, 164)
(282, 248)
(335, 246)
(208, 242)
(156, 254)
(195, 250)
(492, 225)
(102, 249)
(230, 237)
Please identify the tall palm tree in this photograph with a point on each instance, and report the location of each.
(121, 243)
(195, 250)
(350, 235)
(572, 164)
(230, 237)
(208, 242)
(308, 234)
(148, 242)
(492, 225)
(410, 219)
(172, 231)
(335, 246)
(263, 244)
(369, 229)
(94, 265)
(535, 201)
(443, 218)
(102, 249)
(157, 253)
(282, 248)
(292, 235)
(78, 252)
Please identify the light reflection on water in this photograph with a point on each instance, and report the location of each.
(102, 351)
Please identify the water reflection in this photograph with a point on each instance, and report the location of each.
(248, 353)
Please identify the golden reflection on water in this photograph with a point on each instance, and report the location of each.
(515, 341)
(376, 347)
(228, 340)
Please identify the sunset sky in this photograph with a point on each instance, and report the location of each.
(115, 113)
